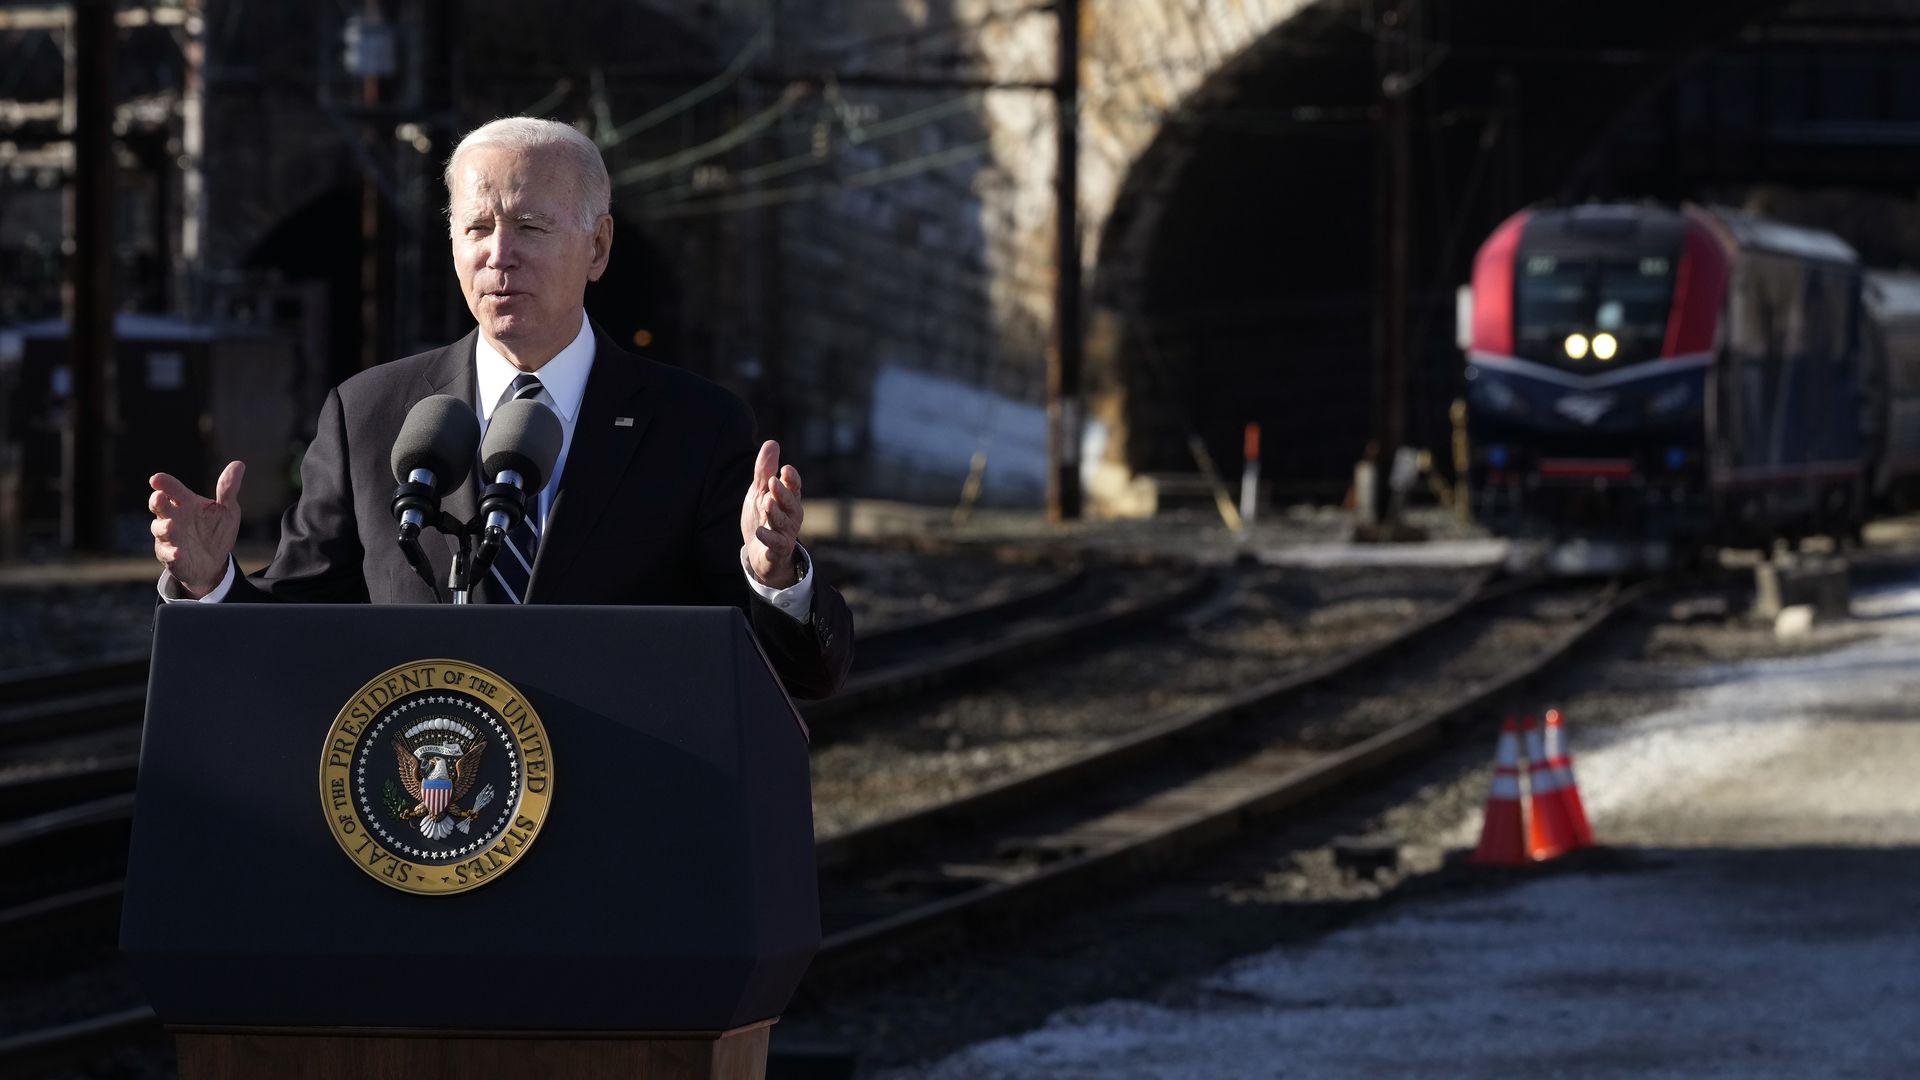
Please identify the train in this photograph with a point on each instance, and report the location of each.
(1669, 380)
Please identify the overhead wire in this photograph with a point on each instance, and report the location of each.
(915, 36)
(856, 132)
(733, 73)
(693, 155)
(561, 88)
(740, 67)
(608, 135)
(803, 192)
(686, 199)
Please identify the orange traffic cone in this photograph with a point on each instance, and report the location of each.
(1552, 833)
(1503, 836)
(1561, 763)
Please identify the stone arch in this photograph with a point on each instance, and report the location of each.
(1139, 390)
(1144, 61)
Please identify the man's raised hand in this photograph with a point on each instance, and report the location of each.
(193, 537)
(770, 519)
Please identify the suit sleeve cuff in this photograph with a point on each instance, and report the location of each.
(794, 601)
(172, 593)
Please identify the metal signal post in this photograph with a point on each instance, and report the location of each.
(90, 414)
(1064, 352)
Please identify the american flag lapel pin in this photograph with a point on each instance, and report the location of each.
(623, 421)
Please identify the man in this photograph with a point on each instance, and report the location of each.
(645, 505)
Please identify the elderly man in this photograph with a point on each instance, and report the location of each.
(657, 498)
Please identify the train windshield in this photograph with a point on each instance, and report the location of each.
(1589, 314)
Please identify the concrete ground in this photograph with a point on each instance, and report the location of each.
(1753, 916)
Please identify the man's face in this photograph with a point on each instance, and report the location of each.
(518, 248)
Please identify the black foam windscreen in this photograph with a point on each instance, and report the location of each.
(439, 435)
(524, 436)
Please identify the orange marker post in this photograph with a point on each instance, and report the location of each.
(1250, 475)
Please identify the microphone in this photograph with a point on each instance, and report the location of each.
(431, 456)
(517, 457)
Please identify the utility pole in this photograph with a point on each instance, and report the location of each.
(1065, 351)
(89, 434)
(772, 405)
(188, 294)
(371, 55)
(1394, 30)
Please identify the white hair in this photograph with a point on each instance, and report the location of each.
(527, 133)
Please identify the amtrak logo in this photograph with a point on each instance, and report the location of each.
(436, 777)
(1585, 408)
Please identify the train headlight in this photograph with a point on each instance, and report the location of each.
(1577, 346)
(1604, 347)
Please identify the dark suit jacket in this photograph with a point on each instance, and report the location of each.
(645, 514)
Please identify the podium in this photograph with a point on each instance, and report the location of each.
(468, 841)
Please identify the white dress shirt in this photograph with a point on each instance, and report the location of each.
(563, 383)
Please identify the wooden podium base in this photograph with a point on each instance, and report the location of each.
(332, 1054)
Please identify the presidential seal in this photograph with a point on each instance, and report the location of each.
(436, 777)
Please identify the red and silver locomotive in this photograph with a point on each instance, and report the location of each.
(1672, 378)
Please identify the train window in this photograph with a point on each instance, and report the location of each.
(1557, 297)
(1788, 309)
(1641, 291)
(1830, 294)
(1551, 293)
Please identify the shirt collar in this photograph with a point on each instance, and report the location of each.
(564, 377)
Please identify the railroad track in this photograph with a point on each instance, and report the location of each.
(62, 700)
(1089, 606)
(86, 717)
(929, 880)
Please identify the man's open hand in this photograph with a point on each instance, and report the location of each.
(193, 537)
(769, 519)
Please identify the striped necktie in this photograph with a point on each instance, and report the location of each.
(513, 566)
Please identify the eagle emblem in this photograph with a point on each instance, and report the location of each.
(439, 760)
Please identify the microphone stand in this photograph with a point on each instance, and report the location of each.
(413, 503)
(460, 578)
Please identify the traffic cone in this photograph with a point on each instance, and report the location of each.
(1551, 834)
(1503, 836)
(1561, 763)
